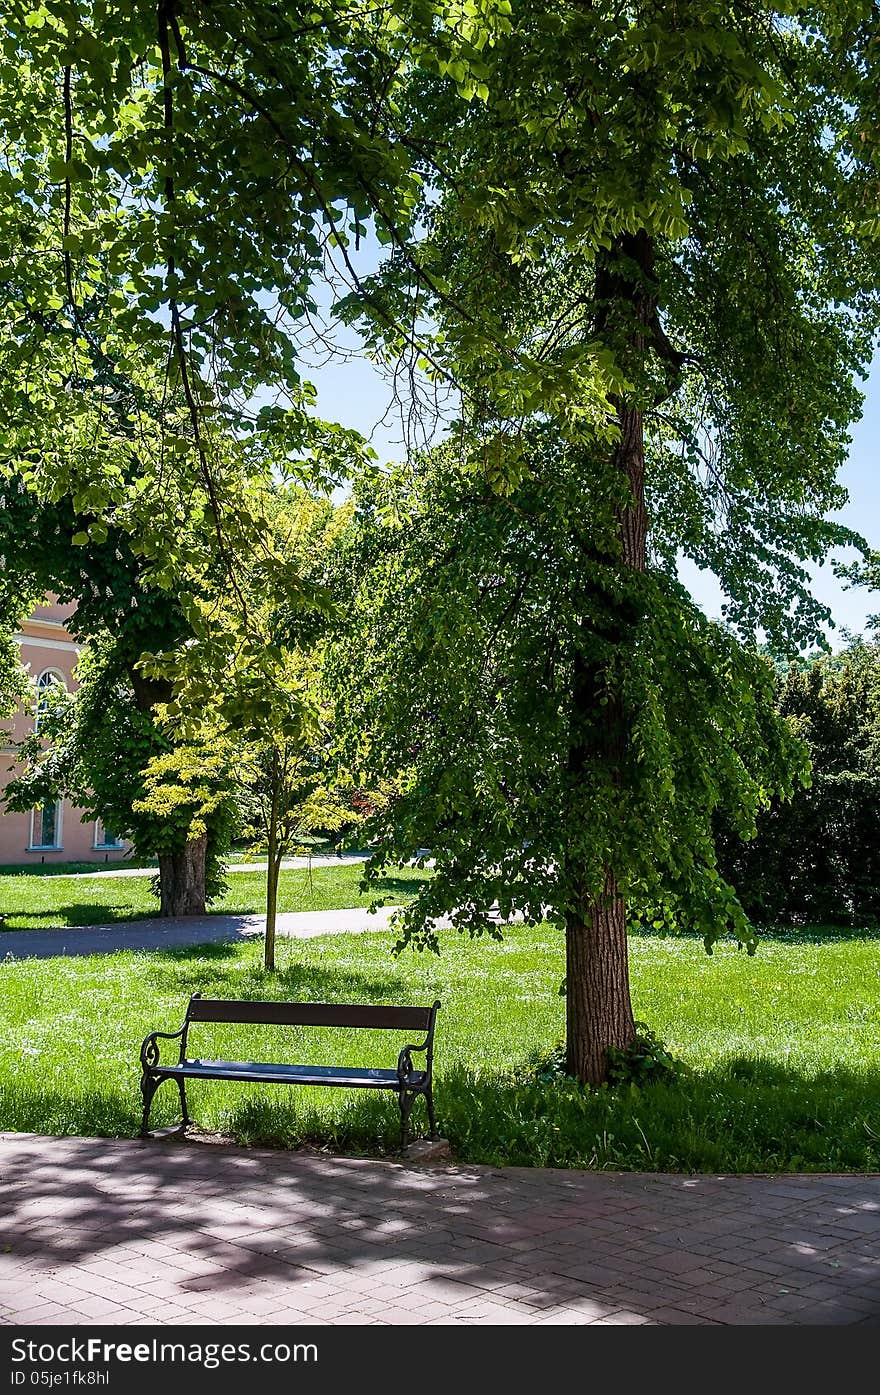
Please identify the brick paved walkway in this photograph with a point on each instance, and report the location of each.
(118, 1231)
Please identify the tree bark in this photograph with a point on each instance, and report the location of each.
(597, 1006)
(182, 879)
(599, 1011)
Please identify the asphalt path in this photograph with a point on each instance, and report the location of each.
(162, 932)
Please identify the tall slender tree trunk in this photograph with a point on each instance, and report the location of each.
(599, 1011)
(182, 879)
(273, 869)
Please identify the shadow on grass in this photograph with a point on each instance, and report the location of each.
(400, 886)
(76, 915)
(745, 1115)
(71, 869)
(297, 982)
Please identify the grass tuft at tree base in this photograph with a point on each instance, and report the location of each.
(645, 1062)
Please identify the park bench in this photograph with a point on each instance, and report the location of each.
(406, 1082)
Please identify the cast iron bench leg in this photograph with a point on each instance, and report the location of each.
(406, 1098)
(181, 1085)
(429, 1100)
(149, 1086)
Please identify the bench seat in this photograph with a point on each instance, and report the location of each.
(354, 1077)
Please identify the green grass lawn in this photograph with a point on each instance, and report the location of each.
(42, 902)
(781, 1051)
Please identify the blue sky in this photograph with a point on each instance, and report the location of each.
(355, 394)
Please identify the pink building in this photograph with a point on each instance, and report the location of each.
(56, 831)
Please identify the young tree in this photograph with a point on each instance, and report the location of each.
(656, 238)
(257, 707)
(286, 797)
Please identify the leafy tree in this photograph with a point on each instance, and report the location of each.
(12, 688)
(651, 249)
(110, 731)
(655, 239)
(257, 709)
(16, 602)
(176, 177)
(93, 747)
(287, 797)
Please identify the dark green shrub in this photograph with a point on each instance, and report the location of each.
(817, 857)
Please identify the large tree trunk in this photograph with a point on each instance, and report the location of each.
(599, 1011)
(182, 879)
(597, 1007)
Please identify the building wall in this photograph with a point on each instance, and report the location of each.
(46, 646)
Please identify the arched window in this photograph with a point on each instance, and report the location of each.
(46, 680)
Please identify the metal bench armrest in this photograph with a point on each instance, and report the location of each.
(405, 1060)
(150, 1048)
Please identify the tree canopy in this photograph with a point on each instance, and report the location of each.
(656, 247)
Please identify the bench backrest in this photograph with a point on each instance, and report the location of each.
(420, 1019)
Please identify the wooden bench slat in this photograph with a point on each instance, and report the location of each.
(284, 1014)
